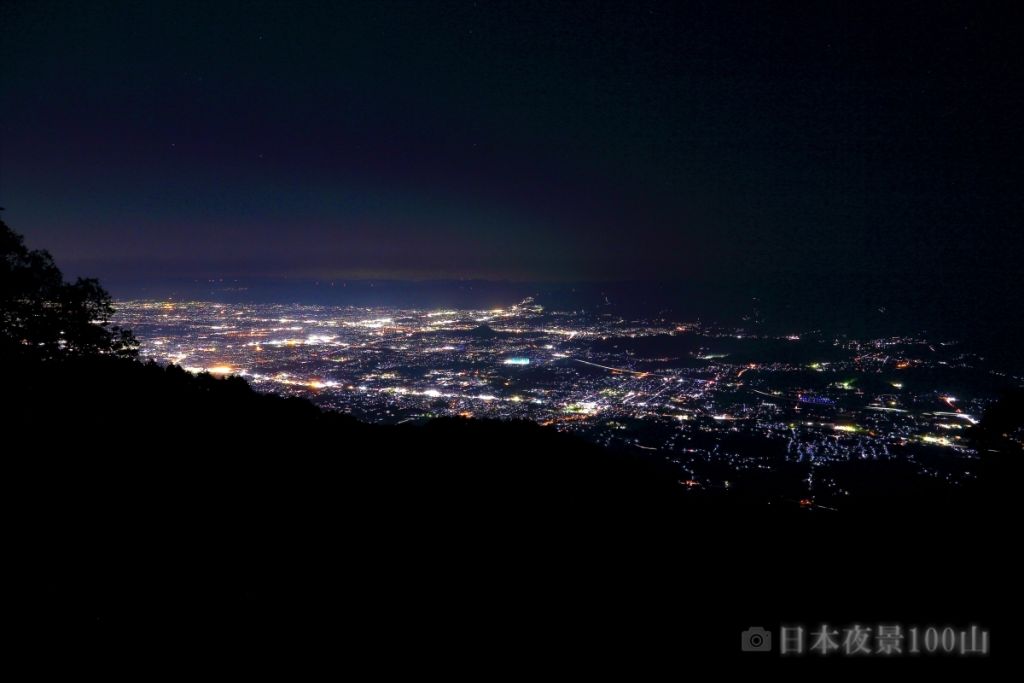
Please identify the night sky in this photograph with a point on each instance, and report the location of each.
(831, 142)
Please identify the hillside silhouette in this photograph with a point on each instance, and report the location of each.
(165, 509)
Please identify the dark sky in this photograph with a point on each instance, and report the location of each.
(875, 145)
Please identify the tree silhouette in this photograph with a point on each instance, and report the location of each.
(45, 317)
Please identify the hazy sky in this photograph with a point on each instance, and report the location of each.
(522, 140)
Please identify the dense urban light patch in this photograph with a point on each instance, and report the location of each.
(687, 390)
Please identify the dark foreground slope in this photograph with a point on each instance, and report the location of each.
(172, 513)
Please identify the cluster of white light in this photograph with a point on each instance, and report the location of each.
(372, 323)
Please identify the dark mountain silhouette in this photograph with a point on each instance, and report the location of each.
(186, 513)
(193, 510)
(1001, 429)
(483, 332)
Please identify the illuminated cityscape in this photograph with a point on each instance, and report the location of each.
(723, 404)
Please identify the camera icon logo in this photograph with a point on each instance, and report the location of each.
(756, 639)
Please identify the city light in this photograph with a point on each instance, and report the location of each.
(611, 380)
